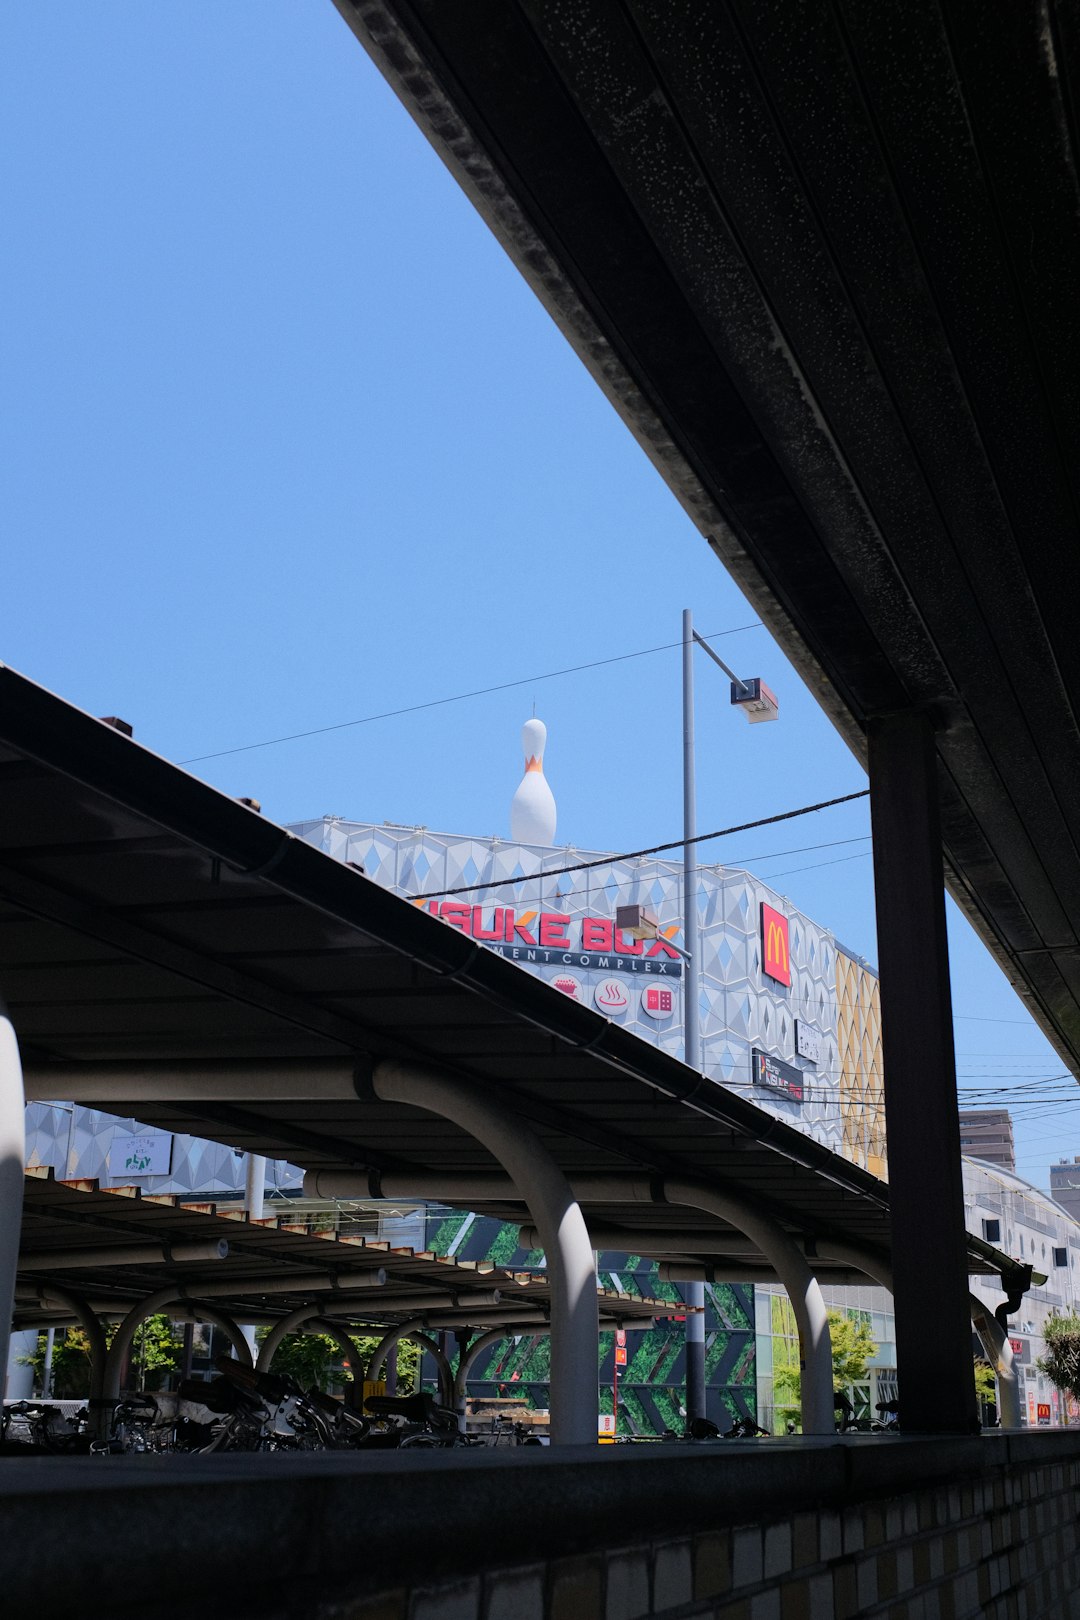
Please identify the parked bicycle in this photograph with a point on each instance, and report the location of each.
(419, 1421)
(38, 1427)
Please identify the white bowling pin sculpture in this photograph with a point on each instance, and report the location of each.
(532, 811)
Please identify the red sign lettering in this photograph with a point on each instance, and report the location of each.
(553, 930)
(457, 915)
(596, 934)
(517, 931)
(478, 929)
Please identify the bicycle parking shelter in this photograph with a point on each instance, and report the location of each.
(92, 1255)
(167, 952)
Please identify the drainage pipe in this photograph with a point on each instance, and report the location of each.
(998, 1346)
(555, 1213)
(678, 1243)
(689, 1270)
(299, 1282)
(138, 1254)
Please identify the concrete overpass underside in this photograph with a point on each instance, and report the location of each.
(823, 260)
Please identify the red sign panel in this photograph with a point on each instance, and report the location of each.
(1043, 1410)
(775, 954)
(620, 1355)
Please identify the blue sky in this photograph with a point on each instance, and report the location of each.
(288, 443)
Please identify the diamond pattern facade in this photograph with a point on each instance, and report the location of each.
(75, 1142)
(742, 1008)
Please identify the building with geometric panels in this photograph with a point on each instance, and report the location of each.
(788, 1015)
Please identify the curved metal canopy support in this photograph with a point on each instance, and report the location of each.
(90, 1325)
(555, 1212)
(477, 1348)
(818, 1412)
(310, 1317)
(413, 1330)
(198, 1310)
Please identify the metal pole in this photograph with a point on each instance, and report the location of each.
(254, 1193)
(255, 1186)
(691, 968)
(694, 1292)
(189, 1350)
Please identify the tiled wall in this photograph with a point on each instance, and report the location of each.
(1004, 1547)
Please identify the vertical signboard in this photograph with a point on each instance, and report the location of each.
(807, 1041)
(775, 954)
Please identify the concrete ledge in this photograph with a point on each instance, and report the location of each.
(132, 1535)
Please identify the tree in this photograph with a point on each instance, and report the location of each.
(985, 1386)
(316, 1362)
(1061, 1363)
(852, 1347)
(156, 1349)
(70, 1364)
(155, 1353)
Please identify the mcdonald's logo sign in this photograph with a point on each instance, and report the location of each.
(775, 954)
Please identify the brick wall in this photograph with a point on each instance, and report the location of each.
(904, 1528)
(1005, 1546)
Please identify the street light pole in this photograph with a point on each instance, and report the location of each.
(757, 703)
(694, 1292)
(691, 970)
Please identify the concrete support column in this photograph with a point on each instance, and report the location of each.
(929, 1251)
(555, 1213)
(12, 1163)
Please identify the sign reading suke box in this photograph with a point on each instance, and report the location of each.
(807, 1042)
(143, 1155)
(775, 951)
(778, 1076)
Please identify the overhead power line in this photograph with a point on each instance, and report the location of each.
(635, 854)
(460, 697)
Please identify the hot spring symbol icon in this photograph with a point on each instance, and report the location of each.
(610, 996)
